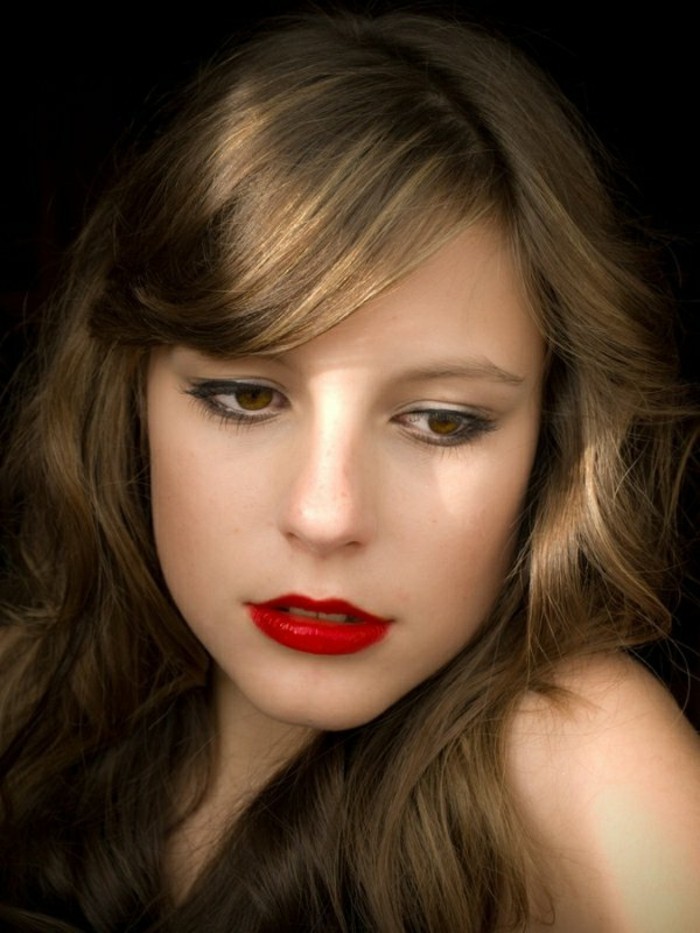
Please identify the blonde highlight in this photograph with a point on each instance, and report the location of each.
(308, 173)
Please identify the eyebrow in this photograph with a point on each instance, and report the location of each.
(471, 369)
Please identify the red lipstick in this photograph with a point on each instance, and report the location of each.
(318, 626)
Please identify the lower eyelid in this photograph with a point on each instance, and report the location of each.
(472, 426)
(211, 395)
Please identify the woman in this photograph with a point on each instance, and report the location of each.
(349, 476)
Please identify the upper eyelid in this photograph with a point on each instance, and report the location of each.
(205, 391)
(472, 427)
(218, 386)
(231, 385)
(440, 410)
(474, 424)
(209, 388)
(469, 415)
(469, 411)
(216, 383)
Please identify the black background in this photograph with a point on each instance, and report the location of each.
(75, 86)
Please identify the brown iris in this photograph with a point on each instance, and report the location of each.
(443, 424)
(254, 398)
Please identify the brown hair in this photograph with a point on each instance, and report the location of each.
(275, 206)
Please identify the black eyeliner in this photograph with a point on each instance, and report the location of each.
(205, 392)
(473, 427)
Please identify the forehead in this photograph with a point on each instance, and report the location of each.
(464, 307)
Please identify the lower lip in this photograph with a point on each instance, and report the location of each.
(313, 636)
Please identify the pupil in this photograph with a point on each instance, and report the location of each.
(255, 398)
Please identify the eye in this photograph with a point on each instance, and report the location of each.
(445, 427)
(241, 402)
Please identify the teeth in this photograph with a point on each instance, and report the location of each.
(323, 616)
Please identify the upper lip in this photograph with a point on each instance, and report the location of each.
(330, 606)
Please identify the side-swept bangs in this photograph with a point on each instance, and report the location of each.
(319, 165)
(309, 172)
(316, 167)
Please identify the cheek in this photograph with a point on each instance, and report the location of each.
(474, 508)
(205, 503)
(186, 510)
(180, 516)
(175, 497)
(469, 533)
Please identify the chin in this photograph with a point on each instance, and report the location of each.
(328, 719)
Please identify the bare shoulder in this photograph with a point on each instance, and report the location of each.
(608, 787)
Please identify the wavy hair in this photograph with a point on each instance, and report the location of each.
(306, 173)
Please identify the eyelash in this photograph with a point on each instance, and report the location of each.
(209, 392)
(471, 425)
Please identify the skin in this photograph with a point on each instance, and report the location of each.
(346, 488)
(608, 786)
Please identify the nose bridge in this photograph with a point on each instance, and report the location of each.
(327, 500)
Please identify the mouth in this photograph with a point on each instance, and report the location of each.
(323, 610)
(323, 616)
(325, 626)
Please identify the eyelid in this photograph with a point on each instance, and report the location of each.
(474, 425)
(229, 386)
(207, 391)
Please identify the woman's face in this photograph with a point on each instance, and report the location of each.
(335, 522)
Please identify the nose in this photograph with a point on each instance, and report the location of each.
(327, 501)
